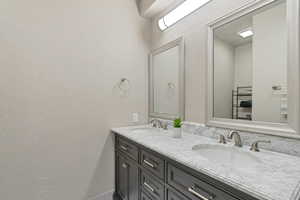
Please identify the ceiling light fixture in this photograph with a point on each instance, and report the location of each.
(184, 9)
(246, 33)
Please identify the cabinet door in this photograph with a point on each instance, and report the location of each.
(127, 180)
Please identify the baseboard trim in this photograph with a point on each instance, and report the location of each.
(103, 196)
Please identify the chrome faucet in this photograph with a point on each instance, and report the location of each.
(222, 139)
(156, 123)
(237, 138)
(254, 146)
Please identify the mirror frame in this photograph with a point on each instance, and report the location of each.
(176, 43)
(289, 130)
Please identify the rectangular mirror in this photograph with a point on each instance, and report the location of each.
(251, 70)
(166, 75)
(250, 66)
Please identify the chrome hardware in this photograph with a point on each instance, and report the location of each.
(124, 148)
(254, 146)
(193, 191)
(237, 138)
(124, 165)
(222, 139)
(156, 123)
(149, 163)
(276, 87)
(149, 187)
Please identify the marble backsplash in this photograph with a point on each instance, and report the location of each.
(278, 144)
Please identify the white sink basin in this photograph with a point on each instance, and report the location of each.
(231, 157)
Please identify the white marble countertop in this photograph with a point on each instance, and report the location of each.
(276, 177)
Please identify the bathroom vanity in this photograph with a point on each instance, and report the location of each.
(258, 40)
(151, 165)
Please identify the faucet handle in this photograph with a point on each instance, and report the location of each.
(153, 123)
(222, 139)
(254, 146)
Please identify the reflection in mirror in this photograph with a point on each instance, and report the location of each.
(167, 81)
(250, 66)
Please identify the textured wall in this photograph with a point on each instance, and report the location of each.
(60, 61)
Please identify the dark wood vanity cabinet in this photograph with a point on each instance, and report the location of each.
(142, 174)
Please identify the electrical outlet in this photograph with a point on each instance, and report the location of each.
(135, 117)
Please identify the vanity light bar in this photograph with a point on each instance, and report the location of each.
(246, 33)
(184, 9)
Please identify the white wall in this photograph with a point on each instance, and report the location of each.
(269, 62)
(193, 28)
(224, 78)
(59, 62)
(243, 63)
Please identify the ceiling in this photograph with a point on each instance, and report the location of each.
(152, 8)
(229, 32)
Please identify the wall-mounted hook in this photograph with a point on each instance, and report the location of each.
(124, 84)
(171, 85)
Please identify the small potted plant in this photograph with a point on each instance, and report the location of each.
(177, 128)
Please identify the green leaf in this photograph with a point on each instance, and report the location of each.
(177, 123)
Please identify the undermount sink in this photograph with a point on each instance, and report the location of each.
(228, 156)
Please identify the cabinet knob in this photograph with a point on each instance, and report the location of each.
(124, 165)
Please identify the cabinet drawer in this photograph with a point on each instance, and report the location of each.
(128, 148)
(194, 188)
(153, 163)
(175, 196)
(153, 188)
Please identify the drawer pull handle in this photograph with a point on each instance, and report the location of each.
(149, 187)
(149, 163)
(124, 165)
(192, 190)
(124, 148)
